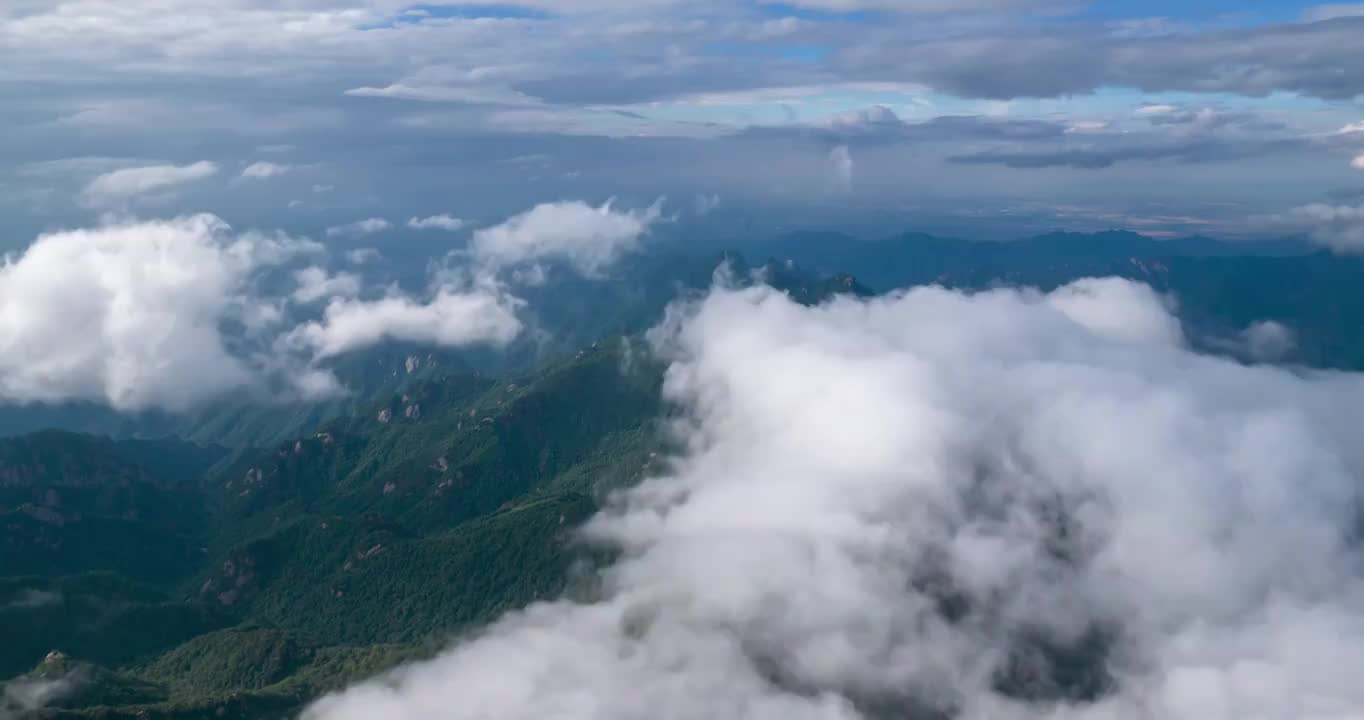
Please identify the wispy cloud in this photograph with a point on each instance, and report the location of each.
(264, 170)
(447, 223)
(120, 186)
(360, 228)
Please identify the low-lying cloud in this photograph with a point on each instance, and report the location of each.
(1338, 227)
(132, 314)
(23, 697)
(171, 314)
(315, 283)
(997, 505)
(587, 238)
(452, 317)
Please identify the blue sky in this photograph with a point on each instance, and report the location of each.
(1169, 117)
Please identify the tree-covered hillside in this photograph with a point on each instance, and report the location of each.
(178, 578)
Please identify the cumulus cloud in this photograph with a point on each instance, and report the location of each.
(483, 314)
(120, 186)
(1268, 340)
(1358, 162)
(264, 170)
(1120, 310)
(171, 314)
(359, 228)
(1338, 227)
(437, 222)
(132, 314)
(933, 504)
(315, 283)
(588, 238)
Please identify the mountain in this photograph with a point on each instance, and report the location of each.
(1221, 288)
(334, 555)
(94, 533)
(171, 579)
(917, 258)
(217, 583)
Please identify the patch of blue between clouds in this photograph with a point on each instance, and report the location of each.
(797, 53)
(425, 12)
(1232, 12)
(781, 10)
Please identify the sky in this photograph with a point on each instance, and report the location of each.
(989, 117)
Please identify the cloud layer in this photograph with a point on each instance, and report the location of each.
(402, 111)
(1002, 505)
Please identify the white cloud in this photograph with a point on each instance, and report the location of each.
(706, 204)
(926, 6)
(359, 228)
(477, 95)
(1119, 310)
(320, 189)
(842, 165)
(437, 222)
(589, 238)
(1083, 127)
(25, 696)
(131, 314)
(1333, 11)
(172, 314)
(120, 186)
(1351, 129)
(1338, 227)
(1358, 162)
(363, 256)
(1268, 340)
(851, 472)
(1157, 110)
(453, 317)
(315, 284)
(263, 170)
(30, 599)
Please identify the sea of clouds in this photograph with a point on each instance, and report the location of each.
(1005, 504)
